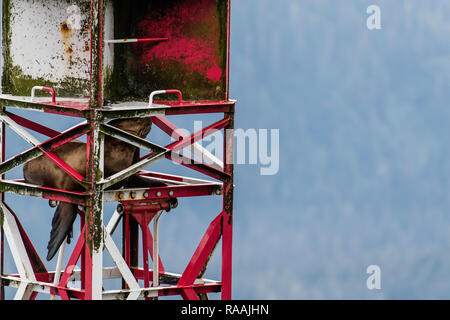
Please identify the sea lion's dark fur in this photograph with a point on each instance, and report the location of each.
(119, 155)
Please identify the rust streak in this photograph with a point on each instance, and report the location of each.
(66, 33)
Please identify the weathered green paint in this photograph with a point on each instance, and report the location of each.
(6, 38)
(26, 190)
(20, 159)
(6, 102)
(94, 203)
(19, 84)
(107, 81)
(97, 226)
(133, 113)
(97, 43)
(2, 216)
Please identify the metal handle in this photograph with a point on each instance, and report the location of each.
(154, 93)
(33, 91)
(136, 40)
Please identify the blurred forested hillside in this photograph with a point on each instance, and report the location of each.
(364, 173)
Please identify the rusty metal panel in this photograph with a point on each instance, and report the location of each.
(193, 59)
(46, 43)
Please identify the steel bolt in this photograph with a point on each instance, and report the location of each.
(52, 203)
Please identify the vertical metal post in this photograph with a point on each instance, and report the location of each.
(130, 236)
(227, 214)
(94, 215)
(130, 242)
(57, 276)
(145, 249)
(94, 207)
(156, 249)
(82, 215)
(125, 242)
(96, 69)
(227, 68)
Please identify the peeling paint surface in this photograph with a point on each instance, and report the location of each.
(49, 44)
(44, 42)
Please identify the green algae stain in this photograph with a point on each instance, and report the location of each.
(2, 217)
(20, 84)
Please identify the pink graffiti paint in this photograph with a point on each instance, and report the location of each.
(193, 32)
(214, 73)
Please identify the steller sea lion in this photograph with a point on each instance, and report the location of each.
(118, 155)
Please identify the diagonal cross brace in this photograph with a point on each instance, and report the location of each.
(201, 255)
(199, 151)
(186, 141)
(40, 148)
(199, 135)
(131, 139)
(19, 253)
(157, 153)
(119, 176)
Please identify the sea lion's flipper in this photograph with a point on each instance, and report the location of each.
(62, 222)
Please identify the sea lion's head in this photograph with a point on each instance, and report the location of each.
(137, 126)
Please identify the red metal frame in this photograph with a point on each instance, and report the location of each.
(142, 211)
(220, 228)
